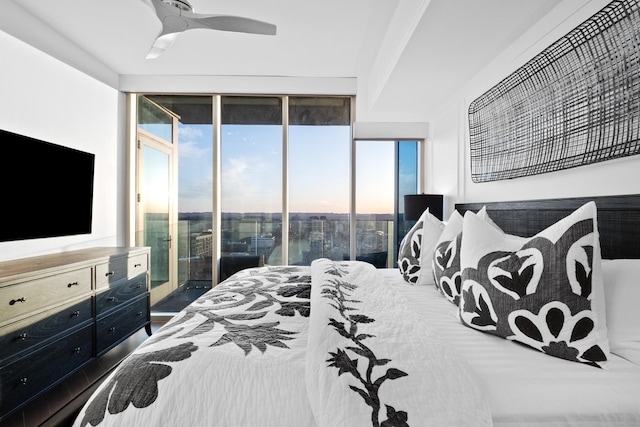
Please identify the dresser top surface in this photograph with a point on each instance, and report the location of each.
(12, 268)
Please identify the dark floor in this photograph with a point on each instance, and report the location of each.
(181, 297)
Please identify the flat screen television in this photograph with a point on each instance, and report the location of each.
(47, 189)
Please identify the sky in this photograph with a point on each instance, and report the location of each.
(251, 167)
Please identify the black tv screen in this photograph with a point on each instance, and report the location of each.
(47, 189)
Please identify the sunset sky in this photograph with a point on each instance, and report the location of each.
(252, 165)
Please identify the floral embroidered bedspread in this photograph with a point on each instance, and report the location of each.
(272, 346)
(370, 362)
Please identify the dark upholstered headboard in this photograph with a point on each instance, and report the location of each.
(618, 219)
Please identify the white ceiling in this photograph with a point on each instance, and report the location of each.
(407, 55)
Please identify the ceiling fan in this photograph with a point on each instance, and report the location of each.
(177, 16)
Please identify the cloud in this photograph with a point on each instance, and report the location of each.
(235, 167)
(190, 132)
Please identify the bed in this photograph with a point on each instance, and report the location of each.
(346, 344)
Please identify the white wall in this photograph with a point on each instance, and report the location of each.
(449, 134)
(45, 99)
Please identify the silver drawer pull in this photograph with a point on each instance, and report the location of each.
(73, 284)
(109, 273)
(137, 265)
(112, 329)
(76, 350)
(75, 313)
(21, 337)
(13, 301)
(111, 299)
(139, 313)
(23, 381)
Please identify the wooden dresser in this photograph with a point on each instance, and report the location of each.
(59, 312)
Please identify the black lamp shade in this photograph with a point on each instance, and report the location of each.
(416, 204)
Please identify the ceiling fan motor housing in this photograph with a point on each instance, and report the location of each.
(180, 4)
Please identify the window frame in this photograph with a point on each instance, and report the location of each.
(130, 226)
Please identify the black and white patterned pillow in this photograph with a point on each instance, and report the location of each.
(446, 256)
(416, 249)
(545, 291)
(446, 259)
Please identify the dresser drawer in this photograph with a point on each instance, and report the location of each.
(26, 377)
(23, 298)
(120, 268)
(120, 293)
(121, 323)
(21, 336)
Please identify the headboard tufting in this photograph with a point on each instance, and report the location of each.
(618, 219)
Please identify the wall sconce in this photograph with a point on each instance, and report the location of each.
(416, 204)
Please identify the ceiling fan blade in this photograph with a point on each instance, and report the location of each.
(162, 43)
(229, 23)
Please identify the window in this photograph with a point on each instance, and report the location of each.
(271, 183)
(195, 197)
(385, 172)
(319, 168)
(251, 182)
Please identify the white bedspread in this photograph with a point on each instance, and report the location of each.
(343, 344)
(248, 354)
(526, 388)
(234, 358)
(386, 368)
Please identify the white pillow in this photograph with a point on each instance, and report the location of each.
(622, 295)
(416, 250)
(545, 291)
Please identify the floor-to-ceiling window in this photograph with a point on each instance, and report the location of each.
(319, 140)
(407, 182)
(266, 180)
(195, 237)
(251, 182)
(385, 172)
